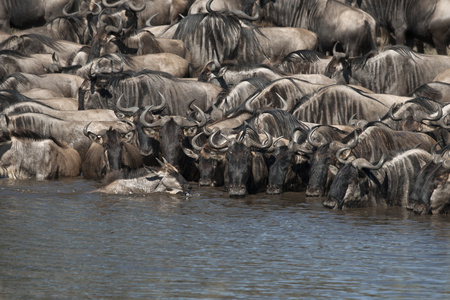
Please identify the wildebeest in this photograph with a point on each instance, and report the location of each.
(370, 144)
(435, 90)
(331, 20)
(111, 151)
(165, 179)
(427, 21)
(360, 183)
(431, 191)
(27, 13)
(246, 170)
(336, 104)
(395, 70)
(34, 156)
(144, 88)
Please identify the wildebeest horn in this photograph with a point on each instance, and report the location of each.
(136, 8)
(194, 142)
(391, 113)
(162, 105)
(85, 131)
(148, 23)
(442, 123)
(67, 14)
(264, 145)
(338, 156)
(111, 28)
(248, 103)
(133, 109)
(145, 123)
(98, 11)
(202, 114)
(217, 146)
(419, 116)
(446, 164)
(362, 163)
(336, 145)
(242, 15)
(115, 4)
(295, 147)
(283, 101)
(338, 55)
(310, 140)
(208, 7)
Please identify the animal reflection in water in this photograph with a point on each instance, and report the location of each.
(165, 179)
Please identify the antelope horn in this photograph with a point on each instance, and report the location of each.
(216, 146)
(136, 8)
(202, 114)
(446, 164)
(85, 131)
(194, 142)
(64, 11)
(208, 7)
(338, 156)
(133, 109)
(283, 101)
(362, 163)
(442, 123)
(420, 115)
(242, 15)
(311, 140)
(115, 4)
(148, 23)
(336, 145)
(111, 28)
(391, 113)
(264, 145)
(162, 105)
(249, 101)
(99, 9)
(295, 147)
(145, 123)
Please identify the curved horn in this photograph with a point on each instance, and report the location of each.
(136, 8)
(419, 116)
(442, 123)
(336, 145)
(362, 163)
(283, 101)
(133, 109)
(145, 123)
(111, 28)
(148, 23)
(64, 11)
(85, 131)
(264, 145)
(202, 114)
(208, 7)
(242, 15)
(248, 103)
(338, 156)
(115, 4)
(446, 164)
(295, 147)
(194, 142)
(310, 139)
(98, 11)
(162, 105)
(217, 146)
(391, 113)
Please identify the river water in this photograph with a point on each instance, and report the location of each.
(57, 241)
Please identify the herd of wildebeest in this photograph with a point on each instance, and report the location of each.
(335, 98)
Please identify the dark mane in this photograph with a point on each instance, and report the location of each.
(13, 53)
(115, 80)
(307, 55)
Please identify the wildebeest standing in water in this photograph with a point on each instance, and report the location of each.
(362, 184)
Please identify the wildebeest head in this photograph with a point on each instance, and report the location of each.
(431, 190)
(173, 132)
(171, 181)
(210, 162)
(324, 166)
(246, 168)
(111, 150)
(350, 188)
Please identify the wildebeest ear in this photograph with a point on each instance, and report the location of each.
(126, 137)
(190, 153)
(95, 138)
